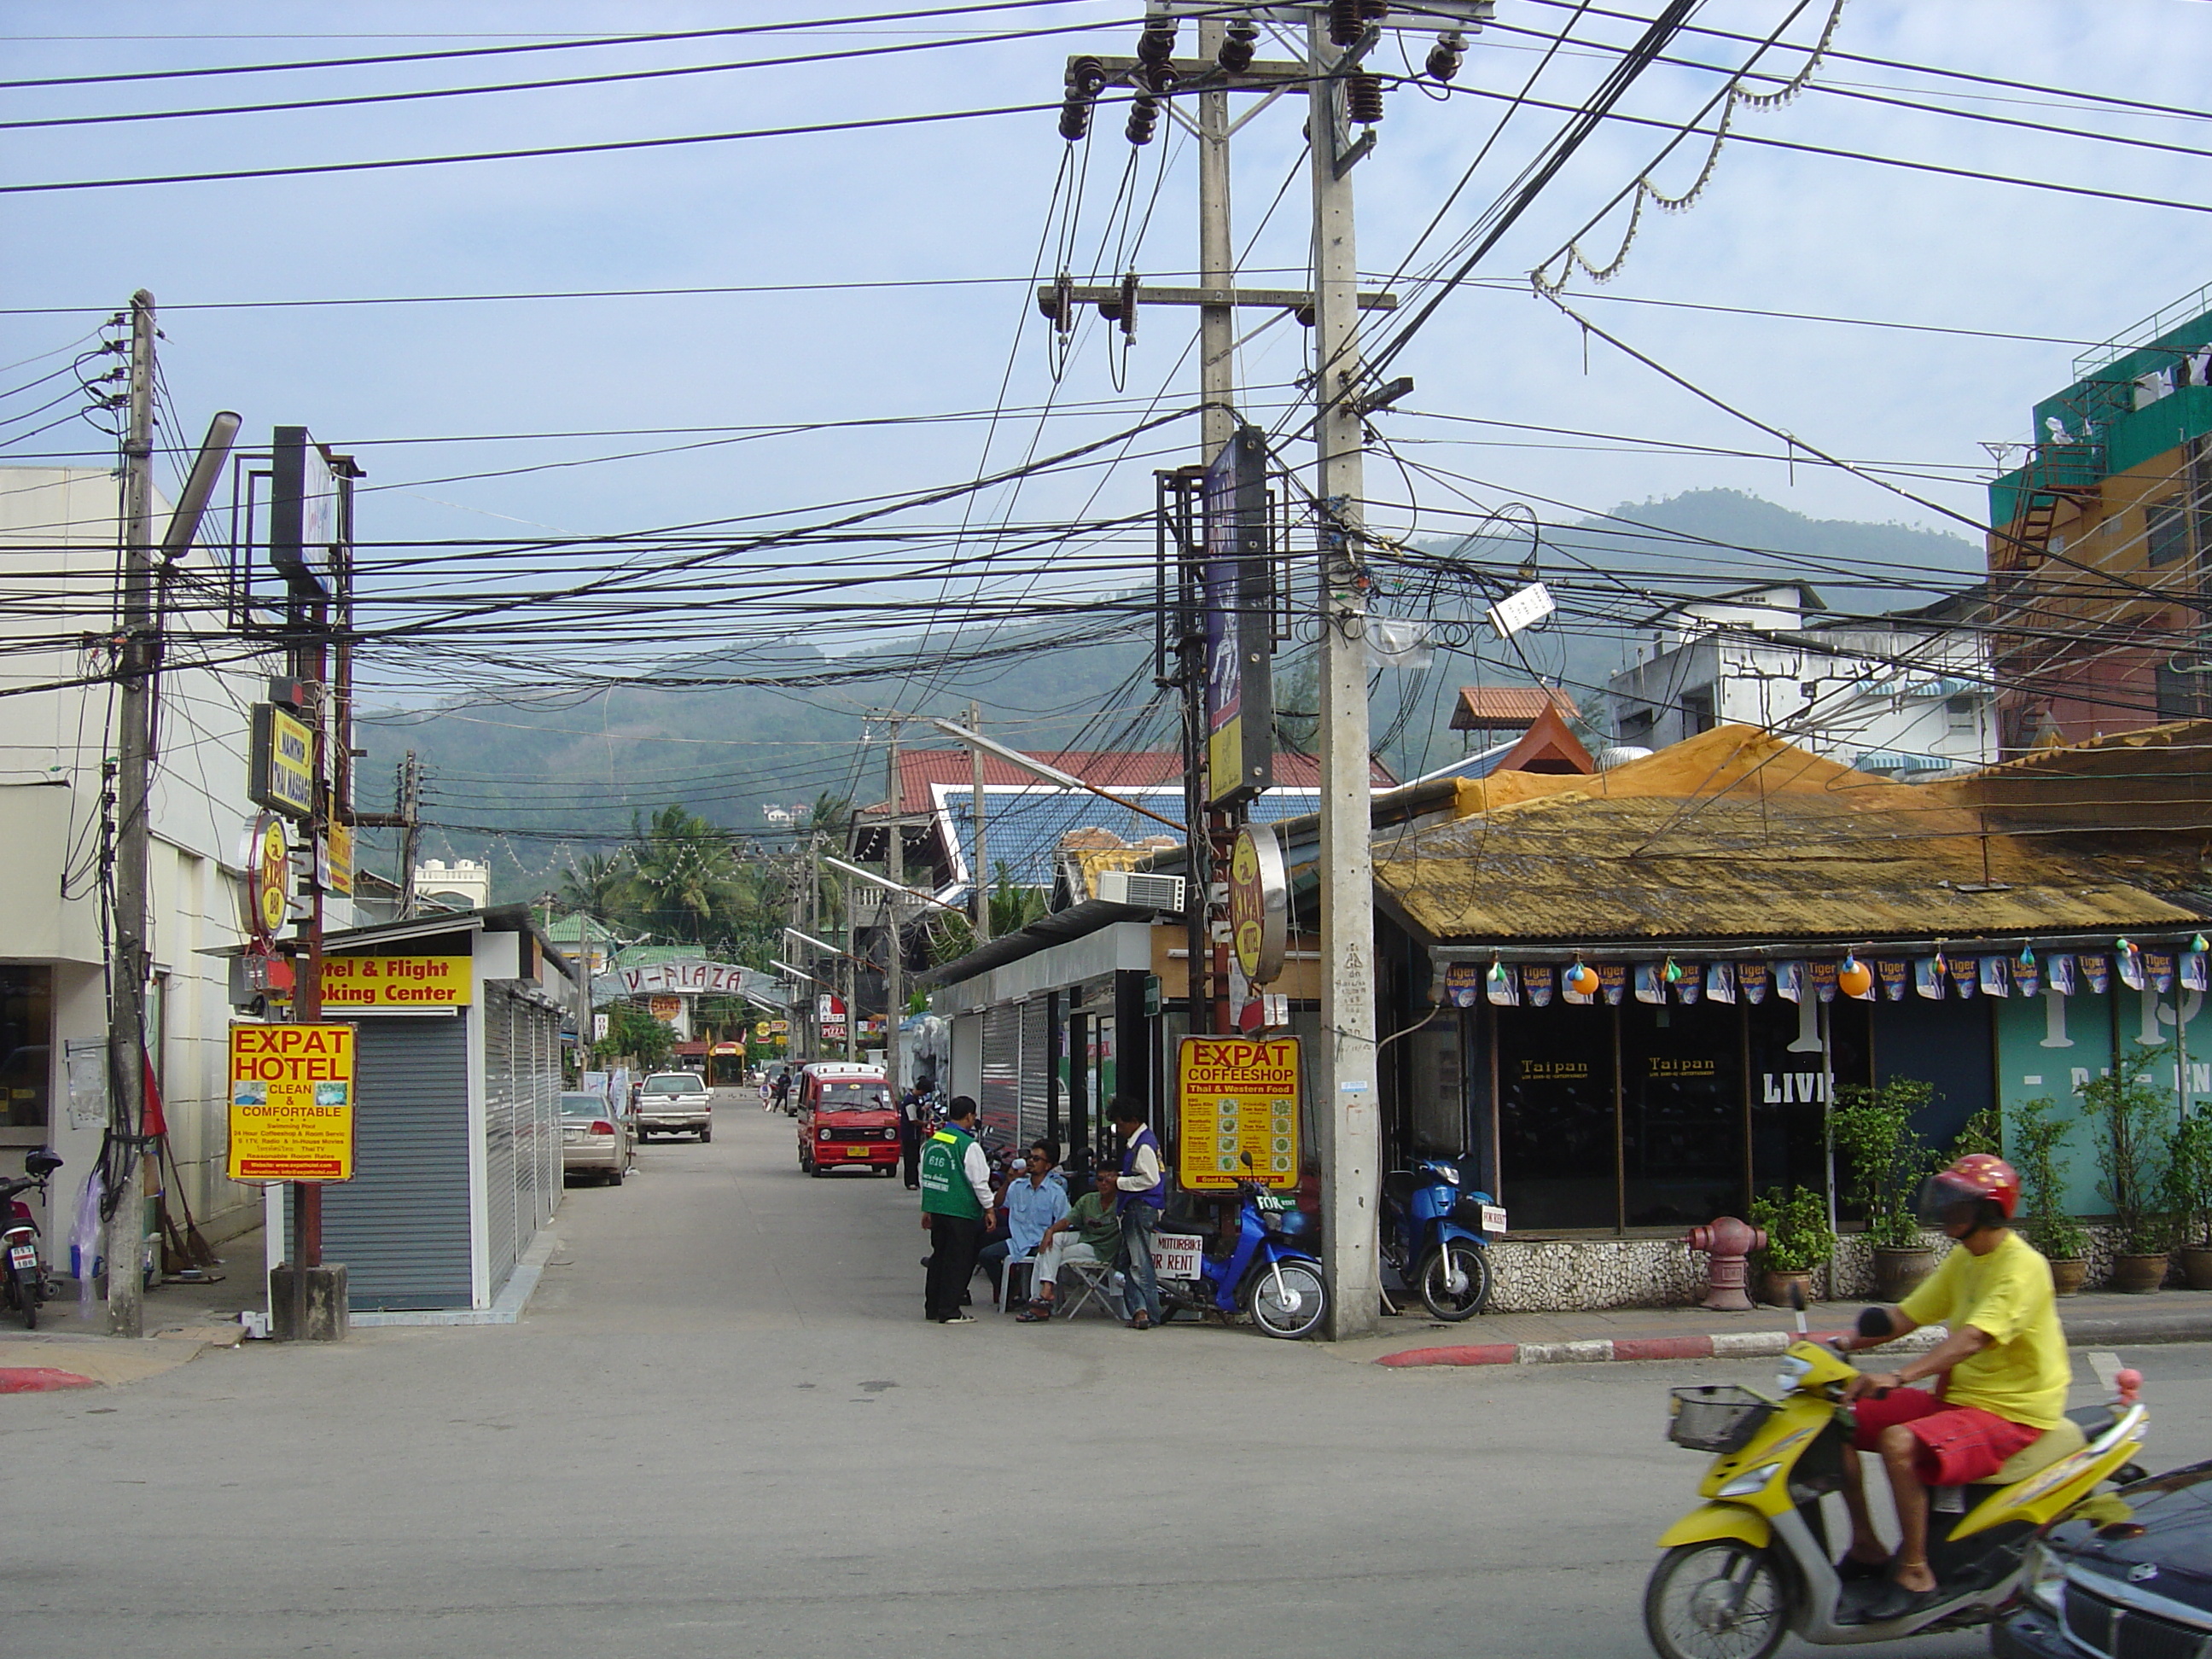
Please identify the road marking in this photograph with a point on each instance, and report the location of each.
(2106, 1365)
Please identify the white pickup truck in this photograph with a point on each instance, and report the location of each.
(675, 1102)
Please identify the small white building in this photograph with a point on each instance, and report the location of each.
(59, 536)
(464, 883)
(1905, 694)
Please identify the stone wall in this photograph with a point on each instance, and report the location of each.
(1564, 1275)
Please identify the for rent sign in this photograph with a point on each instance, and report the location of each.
(291, 1103)
(1239, 1097)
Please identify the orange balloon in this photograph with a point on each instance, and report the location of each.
(1855, 978)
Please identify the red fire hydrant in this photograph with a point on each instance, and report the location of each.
(1727, 1241)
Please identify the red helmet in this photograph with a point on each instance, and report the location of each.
(1976, 1176)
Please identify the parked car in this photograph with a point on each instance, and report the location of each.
(596, 1137)
(675, 1102)
(846, 1117)
(2130, 1573)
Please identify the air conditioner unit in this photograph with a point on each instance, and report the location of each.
(1146, 891)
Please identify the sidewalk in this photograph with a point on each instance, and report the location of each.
(1617, 1334)
(183, 1320)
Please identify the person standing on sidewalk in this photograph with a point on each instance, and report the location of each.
(1140, 1192)
(956, 1196)
(910, 1110)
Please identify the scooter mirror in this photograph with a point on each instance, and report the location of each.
(1796, 1297)
(1874, 1321)
(41, 1164)
(1247, 1157)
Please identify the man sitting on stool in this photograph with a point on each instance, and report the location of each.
(1089, 1231)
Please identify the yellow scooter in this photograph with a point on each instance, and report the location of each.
(1755, 1561)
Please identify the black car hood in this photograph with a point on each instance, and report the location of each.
(2165, 1522)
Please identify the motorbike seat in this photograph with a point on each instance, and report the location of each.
(2041, 1453)
(1399, 1186)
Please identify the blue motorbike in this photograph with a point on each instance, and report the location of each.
(1433, 1234)
(1277, 1281)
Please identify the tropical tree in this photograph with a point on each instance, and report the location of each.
(598, 886)
(687, 876)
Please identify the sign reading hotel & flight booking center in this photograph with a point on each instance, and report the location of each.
(291, 1103)
(1239, 1101)
(396, 981)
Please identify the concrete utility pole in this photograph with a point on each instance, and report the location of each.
(852, 977)
(981, 868)
(1350, 1116)
(894, 955)
(130, 959)
(1216, 322)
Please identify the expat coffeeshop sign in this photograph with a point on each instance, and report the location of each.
(1239, 1117)
(291, 1103)
(391, 982)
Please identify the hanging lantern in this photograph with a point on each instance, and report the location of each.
(2126, 947)
(2198, 944)
(1497, 975)
(2028, 955)
(1582, 980)
(1671, 973)
(1853, 978)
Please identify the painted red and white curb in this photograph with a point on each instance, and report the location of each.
(40, 1379)
(1587, 1351)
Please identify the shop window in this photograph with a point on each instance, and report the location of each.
(1555, 1116)
(2180, 696)
(2166, 533)
(26, 1024)
(1698, 710)
(1963, 714)
(1682, 1121)
(1788, 1091)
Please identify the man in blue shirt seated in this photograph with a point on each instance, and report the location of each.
(1035, 1200)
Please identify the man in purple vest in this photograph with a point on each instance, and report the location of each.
(1140, 1193)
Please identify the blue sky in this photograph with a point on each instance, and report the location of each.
(971, 199)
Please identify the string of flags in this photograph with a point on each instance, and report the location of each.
(1535, 984)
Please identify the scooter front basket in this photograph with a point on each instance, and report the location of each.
(1718, 1417)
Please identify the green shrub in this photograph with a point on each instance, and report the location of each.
(1887, 1159)
(2131, 1113)
(2037, 1129)
(1798, 1236)
(2189, 1178)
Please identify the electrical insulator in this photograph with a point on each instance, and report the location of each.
(1156, 44)
(1074, 120)
(1144, 116)
(1086, 78)
(1345, 21)
(1362, 99)
(1444, 56)
(1237, 49)
(1374, 11)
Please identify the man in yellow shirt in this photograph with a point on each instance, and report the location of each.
(2003, 1371)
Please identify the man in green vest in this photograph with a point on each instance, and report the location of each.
(956, 1198)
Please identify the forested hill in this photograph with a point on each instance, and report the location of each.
(532, 786)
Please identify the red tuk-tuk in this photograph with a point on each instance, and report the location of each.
(846, 1117)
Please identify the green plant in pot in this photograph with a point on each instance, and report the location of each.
(2189, 1194)
(2132, 1113)
(2037, 1129)
(1886, 1159)
(1799, 1240)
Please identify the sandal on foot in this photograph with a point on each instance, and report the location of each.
(1852, 1570)
(1034, 1315)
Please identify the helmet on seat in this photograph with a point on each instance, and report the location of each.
(1975, 1179)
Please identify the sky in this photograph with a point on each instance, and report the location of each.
(949, 221)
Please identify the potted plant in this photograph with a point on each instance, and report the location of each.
(2189, 1194)
(1798, 1241)
(1887, 1160)
(2130, 1111)
(2037, 1129)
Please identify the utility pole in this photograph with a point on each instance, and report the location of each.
(129, 960)
(983, 869)
(1350, 1116)
(894, 956)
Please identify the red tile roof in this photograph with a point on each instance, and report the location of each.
(1500, 707)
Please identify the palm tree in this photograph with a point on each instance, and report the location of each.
(598, 886)
(686, 872)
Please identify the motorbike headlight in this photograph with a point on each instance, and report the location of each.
(1792, 1373)
(2043, 1578)
(1749, 1482)
(1448, 1172)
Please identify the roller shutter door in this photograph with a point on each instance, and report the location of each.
(1035, 1076)
(500, 1128)
(401, 1226)
(999, 1104)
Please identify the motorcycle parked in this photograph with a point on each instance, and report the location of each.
(22, 1269)
(1266, 1273)
(1437, 1237)
(1755, 1562)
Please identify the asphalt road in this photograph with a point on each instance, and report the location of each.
(725, 1429)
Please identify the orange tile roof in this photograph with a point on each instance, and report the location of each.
(1496, 708)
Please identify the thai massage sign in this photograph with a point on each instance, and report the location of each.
(397, 982)
(291, 1103)
(1239, 1112)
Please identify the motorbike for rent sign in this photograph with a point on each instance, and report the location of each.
(291, 1103)
(1238, 1099)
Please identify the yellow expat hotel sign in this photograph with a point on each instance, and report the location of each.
(1239, 1098)
(291, 1103)
(397, 982)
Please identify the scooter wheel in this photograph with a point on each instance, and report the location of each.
(1300, 1307)
(1435, 1279)
(1718, 1600)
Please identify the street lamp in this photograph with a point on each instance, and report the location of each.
(890, 886)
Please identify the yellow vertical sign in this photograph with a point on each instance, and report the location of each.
(1238, 1112)
(291, 1103)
